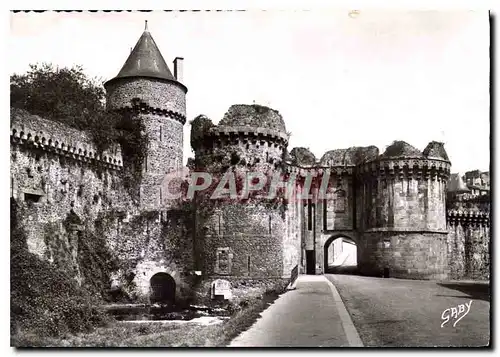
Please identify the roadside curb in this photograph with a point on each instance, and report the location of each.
(349, 329)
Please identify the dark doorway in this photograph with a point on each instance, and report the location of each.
(310, 262)
(162, 289)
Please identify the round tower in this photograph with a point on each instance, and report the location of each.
(403, 212)
(241, 239)
(248, 136)
(156, 99)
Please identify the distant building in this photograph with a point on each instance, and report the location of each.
(478, 182)
(472, 184)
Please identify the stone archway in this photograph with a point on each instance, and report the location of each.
(340, 254)
(162, 287)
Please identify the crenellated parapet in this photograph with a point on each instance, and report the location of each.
(143, 107)
(319, 171)
(80, 153)
(468, 218)
(398, 168)
(243, 135)
(253, 145)
(247, 135)
(33, 132)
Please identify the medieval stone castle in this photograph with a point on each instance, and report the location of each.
(391, 205)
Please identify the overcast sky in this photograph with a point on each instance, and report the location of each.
(338, 79)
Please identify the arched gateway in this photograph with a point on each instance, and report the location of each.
(340, 253)
(162, 289)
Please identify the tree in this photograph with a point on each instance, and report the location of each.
(65, 95)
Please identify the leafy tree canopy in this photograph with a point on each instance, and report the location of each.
(65, 95)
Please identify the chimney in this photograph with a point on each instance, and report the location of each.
(178, 68)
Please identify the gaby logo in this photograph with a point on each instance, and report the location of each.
(457, 313)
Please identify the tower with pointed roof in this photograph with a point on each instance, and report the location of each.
(146, 88)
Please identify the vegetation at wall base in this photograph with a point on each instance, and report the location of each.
(154, 334)
(46, 300)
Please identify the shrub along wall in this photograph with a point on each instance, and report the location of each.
(46, 299)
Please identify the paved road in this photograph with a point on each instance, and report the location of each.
(313, 315)
(403, 313)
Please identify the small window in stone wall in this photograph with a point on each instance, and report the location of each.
(340, 198)
(31, 197)
(329, 214)
(235, 158)
(223, 262)
(220, 225)
(310, 215)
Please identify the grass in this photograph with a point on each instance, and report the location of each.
(122, 334)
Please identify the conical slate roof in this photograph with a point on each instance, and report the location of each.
(146, 60)
(456, 184)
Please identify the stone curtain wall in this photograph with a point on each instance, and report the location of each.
(291, 240)
(61, 140)
(56, 166)
(337, 212)
(58, 178)
(149, 243)
(468, 245)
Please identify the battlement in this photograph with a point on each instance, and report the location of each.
(418, 168)
(302, 171)
(244, 134)
(32, 131)
(468, 218)
(250, 138)
(143, 107)
(410, 167)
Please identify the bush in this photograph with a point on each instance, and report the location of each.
(46, 300)
(68, 96)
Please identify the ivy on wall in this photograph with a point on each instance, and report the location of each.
(134, 143)
(46, 299)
